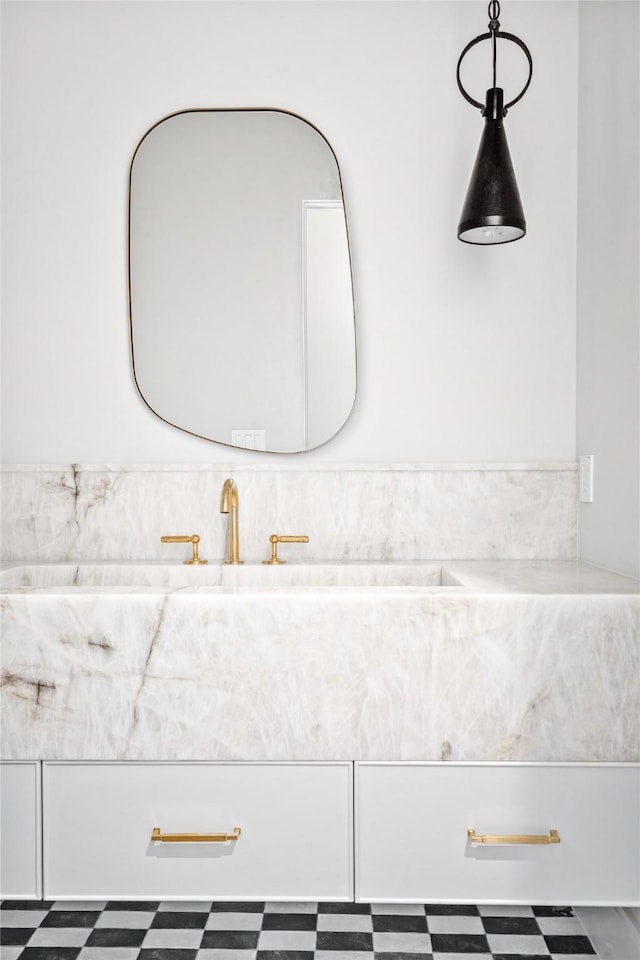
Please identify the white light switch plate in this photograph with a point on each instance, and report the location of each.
(249, 438)
(586, 479)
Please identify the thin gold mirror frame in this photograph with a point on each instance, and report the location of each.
(332, 382)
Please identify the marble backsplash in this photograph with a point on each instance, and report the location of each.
(82, 512)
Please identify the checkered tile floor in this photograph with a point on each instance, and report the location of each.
(43, 930)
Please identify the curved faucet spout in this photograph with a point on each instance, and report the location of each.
(229, 496)
(229, 504)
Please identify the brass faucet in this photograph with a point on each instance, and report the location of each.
(229, 504)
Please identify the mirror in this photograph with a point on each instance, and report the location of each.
(241, 302)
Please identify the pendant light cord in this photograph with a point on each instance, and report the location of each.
(494, 34)
(494, 26)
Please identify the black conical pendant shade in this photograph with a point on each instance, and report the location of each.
(492, 211)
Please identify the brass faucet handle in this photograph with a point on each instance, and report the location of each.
(274, 540)
(194, 540)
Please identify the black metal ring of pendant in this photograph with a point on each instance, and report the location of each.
(499, 36)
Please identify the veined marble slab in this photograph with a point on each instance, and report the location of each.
(349, 512)
(485, 671)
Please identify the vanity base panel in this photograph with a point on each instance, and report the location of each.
(20, 833)
(295, 823)
(412, 823)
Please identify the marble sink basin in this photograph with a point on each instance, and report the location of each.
(167, 576)
(223, 577)
(346, 574)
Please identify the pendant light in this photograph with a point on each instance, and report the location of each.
(492, 211)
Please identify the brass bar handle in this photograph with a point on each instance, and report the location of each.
(523, 838)
(194, 540)
(275, 539)
(158, 836)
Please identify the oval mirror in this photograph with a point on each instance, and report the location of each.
(241, 301)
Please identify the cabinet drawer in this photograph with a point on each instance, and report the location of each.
(295, 822)
(412, 823)
(20, 865)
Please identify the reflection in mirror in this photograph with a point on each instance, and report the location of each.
(242, 322)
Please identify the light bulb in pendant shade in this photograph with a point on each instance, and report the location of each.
(492, 211)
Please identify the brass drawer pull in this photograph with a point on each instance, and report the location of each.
(539, 838)
(194, 837)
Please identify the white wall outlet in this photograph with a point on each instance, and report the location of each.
(586, 479)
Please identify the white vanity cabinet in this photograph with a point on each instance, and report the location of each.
(412, 822)
(20, 834)
(298, 839)
(295, 840)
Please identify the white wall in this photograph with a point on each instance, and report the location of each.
(608, 391)
(464, 353)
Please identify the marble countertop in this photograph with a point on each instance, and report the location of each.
(480, 660)
(541, 576)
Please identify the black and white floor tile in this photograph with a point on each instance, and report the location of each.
(43, 930)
